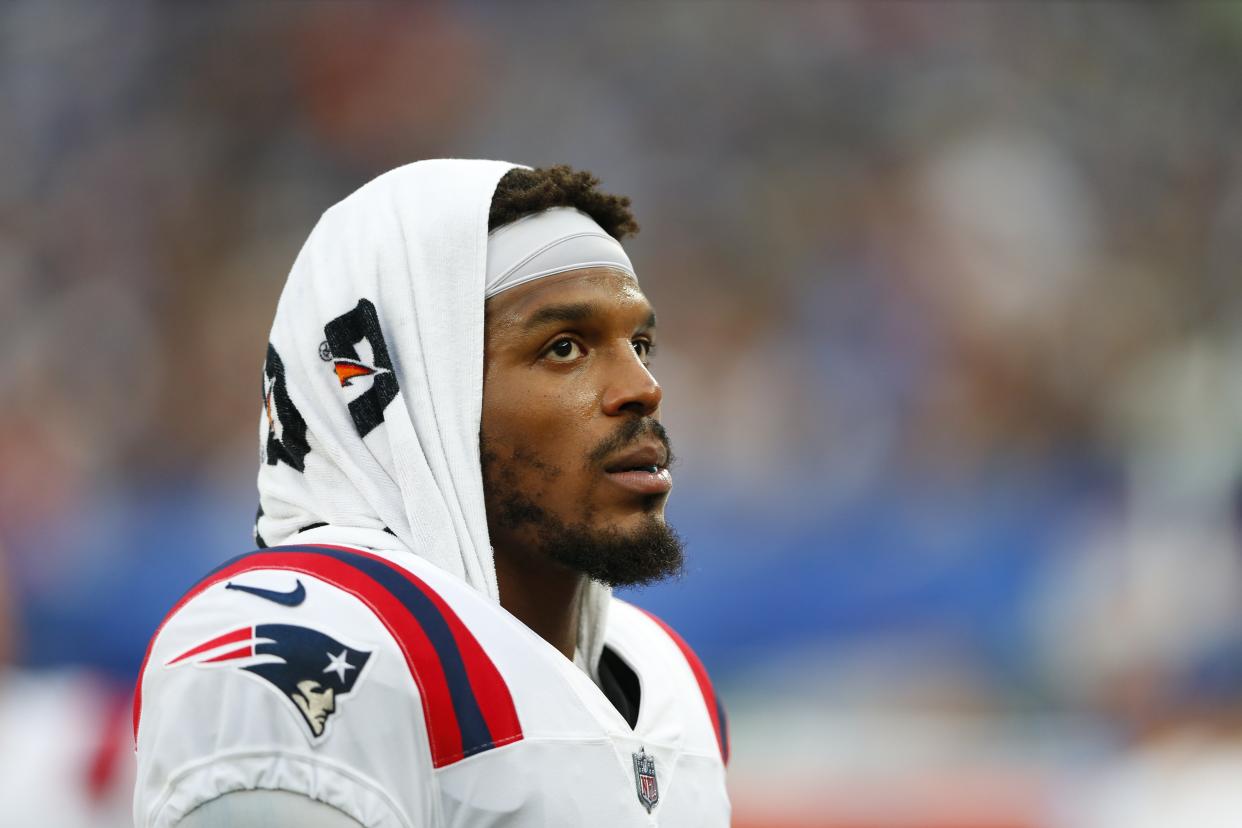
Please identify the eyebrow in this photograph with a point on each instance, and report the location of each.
(574, 312)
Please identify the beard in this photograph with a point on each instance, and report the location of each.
(650, 552)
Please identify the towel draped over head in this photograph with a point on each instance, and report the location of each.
(373, 382)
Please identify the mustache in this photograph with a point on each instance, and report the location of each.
(631, 431)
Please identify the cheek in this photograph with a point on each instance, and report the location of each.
(535, 414)
(541, 443)
(560, 425)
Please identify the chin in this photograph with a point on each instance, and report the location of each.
(639, 549)
(632, 521)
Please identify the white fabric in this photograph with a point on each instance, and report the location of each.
(413, 244)
(543, 244)
(263, 809)
(210, 728)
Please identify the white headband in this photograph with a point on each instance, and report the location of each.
(557, 240)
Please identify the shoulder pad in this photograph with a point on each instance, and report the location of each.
(715, 710)
(466, 702)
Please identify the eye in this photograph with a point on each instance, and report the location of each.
(643, 348)
(564, 350)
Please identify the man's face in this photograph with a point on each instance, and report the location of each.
(575, 461)
(317, 702)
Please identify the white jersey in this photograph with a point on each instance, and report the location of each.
(387, 688)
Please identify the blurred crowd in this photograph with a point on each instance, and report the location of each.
(951, 321)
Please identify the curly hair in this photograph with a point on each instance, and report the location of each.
(522, 192)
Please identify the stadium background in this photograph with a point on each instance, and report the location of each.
(950, 305)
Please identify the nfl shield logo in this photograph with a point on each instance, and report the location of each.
(645, 776)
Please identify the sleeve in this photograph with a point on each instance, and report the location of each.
(278, 680)
(263, 809)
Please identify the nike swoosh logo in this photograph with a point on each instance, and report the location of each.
(290, 599)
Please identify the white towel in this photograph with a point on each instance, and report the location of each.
(374, 378)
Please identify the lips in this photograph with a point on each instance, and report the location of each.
(651, 457)
(643, 470)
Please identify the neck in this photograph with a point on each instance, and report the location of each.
(544, 596)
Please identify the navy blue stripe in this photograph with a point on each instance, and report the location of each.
(475, 736)
(267, 550)
(230, 562)
(724, 730)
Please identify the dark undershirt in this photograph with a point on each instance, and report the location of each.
(620, 685)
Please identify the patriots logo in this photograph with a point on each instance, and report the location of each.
(311, 669)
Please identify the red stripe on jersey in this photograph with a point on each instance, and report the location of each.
(421, 657)
(714, 709)
(419, 654)
(240, 652)
(490, 689)
(233, 637)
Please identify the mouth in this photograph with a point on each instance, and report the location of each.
(643, 470)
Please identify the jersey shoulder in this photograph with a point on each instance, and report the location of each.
(285, 666)
(653, 648)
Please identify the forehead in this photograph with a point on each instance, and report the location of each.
(608, 291)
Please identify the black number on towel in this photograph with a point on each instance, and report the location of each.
(343, 334)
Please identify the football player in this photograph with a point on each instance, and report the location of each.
(461, 452)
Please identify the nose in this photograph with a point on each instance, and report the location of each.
(631, 389)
